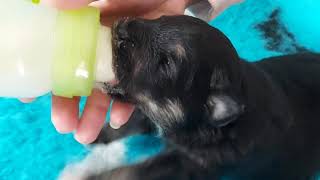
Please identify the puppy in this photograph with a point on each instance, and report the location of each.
(218, 114)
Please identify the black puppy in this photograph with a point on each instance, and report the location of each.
(219, 114)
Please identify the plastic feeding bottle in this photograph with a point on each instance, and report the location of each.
(45, 50)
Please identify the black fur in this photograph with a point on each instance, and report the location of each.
(219, 114)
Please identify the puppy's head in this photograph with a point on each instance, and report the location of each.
(177, 69)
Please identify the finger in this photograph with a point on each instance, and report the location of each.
(112, 10)
(120, 114)
(93, 117)
(220, 5)
(65, 113)
(27, 100)
(168, 8)
(63, 4)
(108, 20)
(128, 7)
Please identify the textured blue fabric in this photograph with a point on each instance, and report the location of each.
(302, 18)
(141, 147)
(238, 23)
(30, 148)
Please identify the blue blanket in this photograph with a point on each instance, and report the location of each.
(30, 148)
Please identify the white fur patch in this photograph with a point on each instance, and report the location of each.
(175, 108)
(224, 107)
(220, 109)
(180, 50)
(169, 113)
(166, 113)
(152, 106)
(102, 158)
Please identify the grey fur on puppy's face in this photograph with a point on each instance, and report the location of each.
(172, 68)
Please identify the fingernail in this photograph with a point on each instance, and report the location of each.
(64, 129)
(82, 139)
(114, 125)
(108, 118)
(98, 4)
(26, 100)
(61, 131)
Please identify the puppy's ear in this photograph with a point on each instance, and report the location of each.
(222, 106)
(222, 110)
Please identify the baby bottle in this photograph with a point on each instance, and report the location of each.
(46, 50)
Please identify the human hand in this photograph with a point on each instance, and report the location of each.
(65, 111)
(65, 115)
(115, 9)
